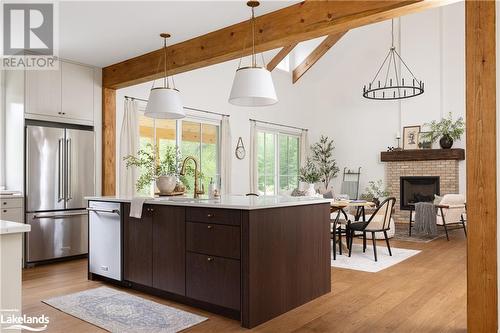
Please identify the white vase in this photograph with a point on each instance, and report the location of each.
(311, 191)
(166, 184)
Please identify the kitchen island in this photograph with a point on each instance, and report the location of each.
(249, 258)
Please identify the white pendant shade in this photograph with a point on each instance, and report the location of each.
(253, 86)
(164, 103)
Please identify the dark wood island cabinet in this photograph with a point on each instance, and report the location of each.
(252, 264)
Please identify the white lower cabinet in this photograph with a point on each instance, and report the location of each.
(11, 209)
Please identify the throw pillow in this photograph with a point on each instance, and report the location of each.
(437, 199)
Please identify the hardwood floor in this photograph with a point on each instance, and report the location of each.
(426, 293)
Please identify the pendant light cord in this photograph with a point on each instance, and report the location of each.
(165, 79)
(392, 32)
(254, 63)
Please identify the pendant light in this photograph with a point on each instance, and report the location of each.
(389, 83)
(253, 85)
(165, 102)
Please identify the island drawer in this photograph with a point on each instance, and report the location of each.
(213, 280)
(214, 215)
(213, 239)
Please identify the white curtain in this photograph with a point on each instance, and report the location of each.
(129, 143)
(226, 156)
(304, 147)
(254, 185)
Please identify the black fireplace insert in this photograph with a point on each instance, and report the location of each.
(417, 189)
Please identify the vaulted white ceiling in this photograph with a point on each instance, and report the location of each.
(101, 33)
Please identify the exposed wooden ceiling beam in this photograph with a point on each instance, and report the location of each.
(280, 56)
(316, 54)
(280, 28)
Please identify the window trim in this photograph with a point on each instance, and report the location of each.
(276, 133)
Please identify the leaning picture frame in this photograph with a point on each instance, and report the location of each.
(410, 137)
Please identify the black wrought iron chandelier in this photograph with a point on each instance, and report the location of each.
(389, 83)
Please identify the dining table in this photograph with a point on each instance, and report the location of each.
(340, 206)
(360, 205)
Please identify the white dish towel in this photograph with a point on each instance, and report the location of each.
(136, 207)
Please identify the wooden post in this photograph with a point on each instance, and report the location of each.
(108, 141)
(482, 307)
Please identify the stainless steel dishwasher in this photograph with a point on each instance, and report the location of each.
(105, 239)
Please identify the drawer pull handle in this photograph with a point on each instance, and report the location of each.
(210, 215)
(5, 210)
(5, 203)
(210, 227)
(210, 259)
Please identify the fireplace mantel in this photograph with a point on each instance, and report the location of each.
(457, 154)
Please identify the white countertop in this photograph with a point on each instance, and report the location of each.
(226, 201)
(8, 227)
(10, 194)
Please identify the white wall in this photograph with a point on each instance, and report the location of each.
(327, 99)
(432, 43)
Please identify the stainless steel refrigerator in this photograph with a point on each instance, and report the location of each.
(59, 167)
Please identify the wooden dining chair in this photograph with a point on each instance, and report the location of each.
(379, 221)
(336, 232)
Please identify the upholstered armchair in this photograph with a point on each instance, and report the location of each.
(451, 213)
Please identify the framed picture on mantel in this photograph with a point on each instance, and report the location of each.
(410, 137)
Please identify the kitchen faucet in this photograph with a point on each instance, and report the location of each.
(197, 191)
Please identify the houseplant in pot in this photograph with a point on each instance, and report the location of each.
(309, 174)
(375, 191)
(322, 156)
(446, 130)
(162, 170)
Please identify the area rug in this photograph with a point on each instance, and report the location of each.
(117, 311)
(401, 234)
(365, 262)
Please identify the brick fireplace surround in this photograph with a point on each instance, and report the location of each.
(399, 164)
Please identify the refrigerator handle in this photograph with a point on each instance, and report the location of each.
(69, 190)
(60, 181)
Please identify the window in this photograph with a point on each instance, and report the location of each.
(194, 137)
(277, 162)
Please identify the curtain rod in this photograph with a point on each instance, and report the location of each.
(185, 107)
(276, 124)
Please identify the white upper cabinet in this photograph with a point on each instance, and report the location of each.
(77, 91)
(43, 92)
(64, 95)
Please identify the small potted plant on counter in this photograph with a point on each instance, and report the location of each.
(446, 130)
(375, 191)
(309, 174)
(163, 171)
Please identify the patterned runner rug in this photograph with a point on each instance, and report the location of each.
(118, 311)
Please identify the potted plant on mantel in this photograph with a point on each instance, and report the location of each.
(163, 171)
(309, 174)
(446, 130)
